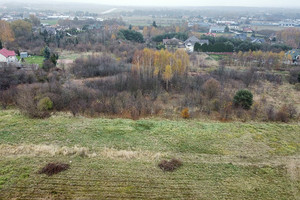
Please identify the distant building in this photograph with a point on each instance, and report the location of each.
(287, 24)
(173, 44)
(240, 36)
(50, 30)
(217, 29)
(7, 56)
(295, 54)
(258, 40)
(247, 30)
(191, 41)
(23, 55)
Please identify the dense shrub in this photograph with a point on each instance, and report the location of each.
(211, 88)
(45, 104)
(244, 99)
(11, 76)
(131, 35)
(97, 65)
(7, 97)
(297, 86)
(180, 36)
(27, 101)
(270, 112)
(294, 75)
(282, 115)
(185, 113)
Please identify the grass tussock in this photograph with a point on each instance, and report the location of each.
(54, 168)
(127, 154)
(171, 165)
(38, 150)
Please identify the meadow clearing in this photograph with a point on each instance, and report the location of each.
(118, 158)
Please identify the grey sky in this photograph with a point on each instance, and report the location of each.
(252, 3)
(176, 3)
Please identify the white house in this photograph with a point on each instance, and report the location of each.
(191, 41)
(8, 56)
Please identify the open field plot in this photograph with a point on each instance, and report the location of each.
(50, 21)
(274, 28)
(117, 158)
(148, 20)
(34, 60)
(68, 57)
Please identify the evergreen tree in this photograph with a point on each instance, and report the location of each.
(154, 24)
(226, 29)
(244, 99)
(46, 53)
(1, 45)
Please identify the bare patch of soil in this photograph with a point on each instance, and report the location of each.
(170, 165)
(54, 168)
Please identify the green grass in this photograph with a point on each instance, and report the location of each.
(217, 57)
(50, 22)
(34, 60)
(220, 160)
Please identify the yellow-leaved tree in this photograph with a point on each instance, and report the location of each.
(6, 33)
(113, 36)
(167, 75)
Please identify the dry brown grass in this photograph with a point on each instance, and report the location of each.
(37, 150)
(53, 150)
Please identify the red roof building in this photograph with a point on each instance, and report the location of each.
(6, 53)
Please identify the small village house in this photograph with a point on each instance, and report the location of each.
(191, 41)
(7, 56)
(23, 55)
(217, 29)
(173, 44)
(294, 54)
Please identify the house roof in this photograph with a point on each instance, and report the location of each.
(192, 40)
(204, 41)
(6, 53)
(217, 28)
(294, 53)
(171, 41)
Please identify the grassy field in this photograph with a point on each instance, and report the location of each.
(117, 158)
(148, 20)
(50, 22)
(34, 60)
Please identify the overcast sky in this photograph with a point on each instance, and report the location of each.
(176, 3)
(252, 3)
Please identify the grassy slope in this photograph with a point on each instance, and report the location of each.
(117, 158)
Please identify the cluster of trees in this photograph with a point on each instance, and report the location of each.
(216, 47)
(290, 36)
(131, 35)
(162, 64)
(259, 59)
(236, 45)
(6, 33)
(97, 65)
(180, 36)
(141, 90)
(50, 60)
(19, 29)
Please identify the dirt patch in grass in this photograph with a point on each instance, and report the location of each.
(170, 165)
(54, 168)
